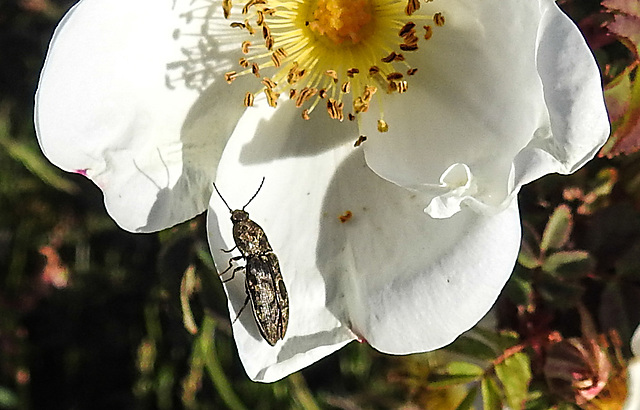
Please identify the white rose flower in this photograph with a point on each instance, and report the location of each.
(403, 241)
(633, 374)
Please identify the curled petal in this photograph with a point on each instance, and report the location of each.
(578, 122)
(359, 256)
(456, 182)
(106, 108)
(509, 90)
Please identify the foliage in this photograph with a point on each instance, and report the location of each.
(94, 317)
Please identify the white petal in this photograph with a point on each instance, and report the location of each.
(579, 123)
(297, 167)
(635, 342)
(483, 97)
(104, 108)
(390, 274)
(442, 285)
(456, 182)
(633, 385)
(633, 374)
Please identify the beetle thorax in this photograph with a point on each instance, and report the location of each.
(250, 238)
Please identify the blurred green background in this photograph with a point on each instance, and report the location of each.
(95, 317)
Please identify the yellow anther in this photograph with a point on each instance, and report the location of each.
(248, 100)
(412, 7)
(335, 53)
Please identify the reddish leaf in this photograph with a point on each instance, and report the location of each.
(626, 137)
(623, 93)
(631, 7)
(595, 33)
(627, 28)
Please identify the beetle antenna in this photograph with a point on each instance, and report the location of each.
(220, 195)
(254, 195)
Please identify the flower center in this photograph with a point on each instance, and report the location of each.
(341, 20)
(328, 52)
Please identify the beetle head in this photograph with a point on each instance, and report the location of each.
(239, 215)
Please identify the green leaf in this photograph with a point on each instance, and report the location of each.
(569, 264)
(8, 399)
(455, 373)
(502, 340)
(538, 400)
(437, 380)
(472, 347)
(300, 390)
(560, 294)
(188, 287)
(34, 162)
(519, 289)
(604, 182)
(490, 397)
(204, 256)
(515, 374)
(529, 255)
(204, 346)
(468, 400)
(464, 369)
(617, 94)
(558, 229)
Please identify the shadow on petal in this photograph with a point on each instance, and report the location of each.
(203, 136)
(403, 281)
(303, 138)
(387, 240)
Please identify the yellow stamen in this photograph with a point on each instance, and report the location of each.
(330, 51)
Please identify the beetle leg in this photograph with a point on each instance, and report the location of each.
(233, 274)
(246, 301)
(230, 250)
(235, 258)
